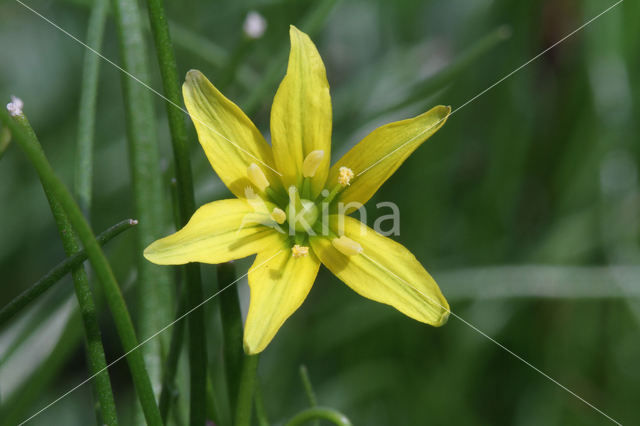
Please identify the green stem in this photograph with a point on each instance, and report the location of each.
(110, 288)
(83, 177)
(106, 409)
(59, 271)
(186, 205)
(308, 388)
(261, 412)
(311, 24)
(306, 383)
(213, 412)
(95, 350)
(324, 413)
(244, 406)
(231, 319)
(155, 292)
(168, 392)
(5, 140)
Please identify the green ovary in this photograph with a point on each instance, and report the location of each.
(302, 216)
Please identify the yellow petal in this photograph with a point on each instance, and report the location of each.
(384, 271)
(279, 284)
(375, 158)
(229, 139)
(301, 114)
(218, 232)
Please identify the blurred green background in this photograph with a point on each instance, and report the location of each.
(524, 207)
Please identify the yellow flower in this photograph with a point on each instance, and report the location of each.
(288, 196)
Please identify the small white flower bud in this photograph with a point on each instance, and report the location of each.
(254, 25)
(15, 106)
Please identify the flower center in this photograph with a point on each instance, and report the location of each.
(301, 216)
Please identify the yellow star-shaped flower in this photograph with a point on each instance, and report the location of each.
(288, 196)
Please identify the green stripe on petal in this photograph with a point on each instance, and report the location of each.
(219, 232)
(385, 271)
(229, 138)
(301, 114)
(375, 158)
(279, 284)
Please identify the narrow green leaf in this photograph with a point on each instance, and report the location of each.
(155, 293)
(60, 270)
(186, 207)
(83, 177)
(33, 150)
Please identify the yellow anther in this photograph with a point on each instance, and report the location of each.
(278, 215)
(345, 175)
(299, 251)
(346, 246)
(311, 163)
(257, 177)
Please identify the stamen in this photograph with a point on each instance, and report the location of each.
(299, 251)
(249, 193)
(331, 195)
(311, 163)
(278, 215)
(347, 246)
(345, 175)
(257, 177)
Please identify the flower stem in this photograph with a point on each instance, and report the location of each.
(83, 177)
(59, 271)
(33, 150)
(246, 389)
(261, 413)
(231, 319)
(171, 365)
(306, 383)
(186, 206)
(324, 413)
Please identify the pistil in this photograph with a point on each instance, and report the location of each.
(302, 214)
